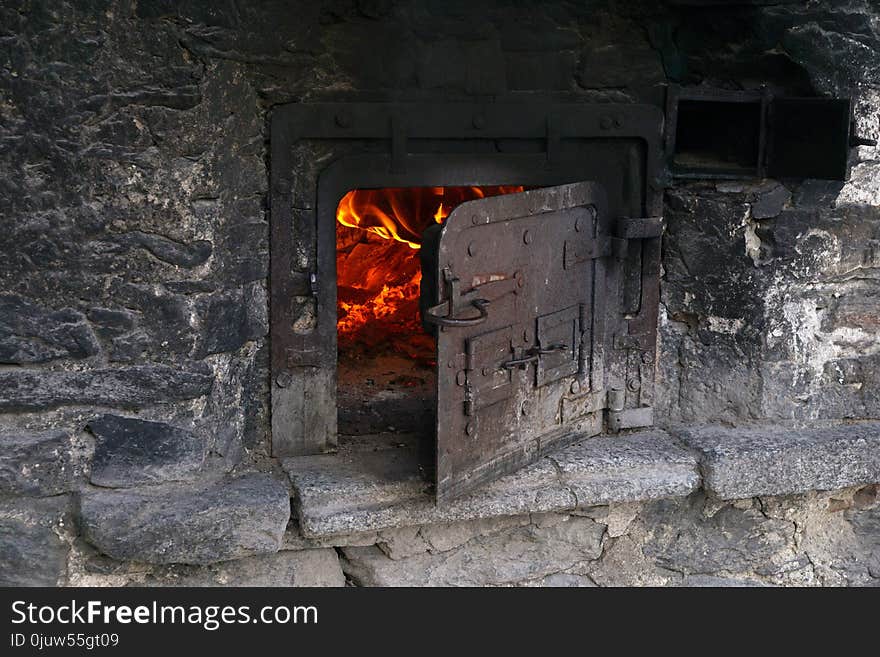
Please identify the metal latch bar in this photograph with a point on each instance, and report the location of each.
(534, 354)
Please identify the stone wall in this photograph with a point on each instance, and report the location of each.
(813, 539)
(808, 540)
(133, 313)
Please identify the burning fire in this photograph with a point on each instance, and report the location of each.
(378, 235)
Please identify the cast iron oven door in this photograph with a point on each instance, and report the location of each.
(519, 287)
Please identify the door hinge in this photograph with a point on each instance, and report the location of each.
(617, 417)
(574, 253)
(630, 418)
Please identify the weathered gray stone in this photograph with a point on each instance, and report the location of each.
(685, 538)
(33, 550)
(130, 387)
(231, 318)
(643, 465)
(359, 489)
(516, 556)
(710, 581)
(32, 334)
(130, 452)
(170, 251)
(402, 543)
(300, 568)
(624, 563)
(866, 528)
(294, 540)
(747, 461)
(110, 323)
(567, 580)
(770, 203)
(318, 567)
(826, 535)
(447, 536)
(616, 517)
(288, 568)
(43, 463)
(190, 523)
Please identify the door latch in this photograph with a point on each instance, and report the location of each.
(456, 302)
(533, 354)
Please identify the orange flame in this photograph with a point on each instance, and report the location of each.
(378, 234)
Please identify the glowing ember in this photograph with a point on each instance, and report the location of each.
(378, 234)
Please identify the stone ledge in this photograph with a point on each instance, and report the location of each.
(362, 488)
(771, 460)
(193, 523)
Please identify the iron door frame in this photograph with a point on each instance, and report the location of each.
(303, 205)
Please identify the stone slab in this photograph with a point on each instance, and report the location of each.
(363, 489)
(131, 452)
(193, 523)
(39, 463)
(128, 387)
(771, 460)
(645, 465)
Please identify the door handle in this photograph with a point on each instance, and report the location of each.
(482, 305)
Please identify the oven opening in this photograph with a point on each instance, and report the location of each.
(386, 374)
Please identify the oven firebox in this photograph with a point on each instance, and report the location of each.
(543, 302)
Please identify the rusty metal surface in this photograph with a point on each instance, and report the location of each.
(502, 382)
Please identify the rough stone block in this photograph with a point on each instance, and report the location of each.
(644, 465)
(215, 521)
(131, 452)
(714, 582)
(447, 536)
(567, 580)
(684, 537)
(770, 203)
(317, 567)
(748, 461)
(866, 531)
(32, 334)
(359, 489)
(129, 387)
(518, 556)
(231, 318)
(33, 551)
(299, 568)
(167, 250)
(164, 322)
(294, 540)
(42, 464)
